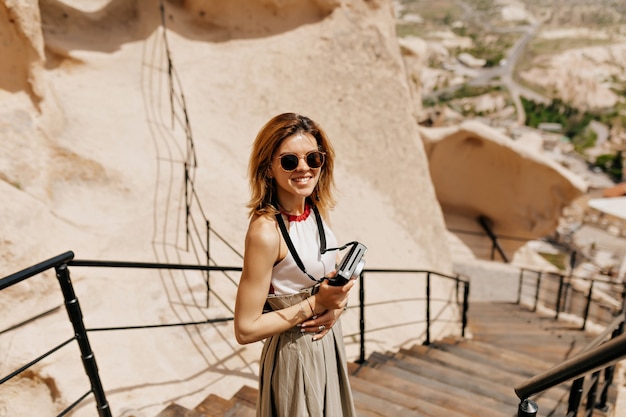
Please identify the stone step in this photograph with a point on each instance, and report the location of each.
(422, 392)
(242, 404)
(452, 377)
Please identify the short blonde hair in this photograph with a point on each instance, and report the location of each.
(269, 138)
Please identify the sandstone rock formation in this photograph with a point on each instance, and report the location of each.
(96, 167)
(478, 172)
(93, 162)
(584, 76)
(22, 48)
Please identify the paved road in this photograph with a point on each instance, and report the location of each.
(503, 73)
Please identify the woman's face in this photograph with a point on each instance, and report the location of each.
(300, 182)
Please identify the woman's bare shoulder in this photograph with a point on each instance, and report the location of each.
(263, 229)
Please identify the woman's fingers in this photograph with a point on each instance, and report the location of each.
(331, 297)
(321, 325)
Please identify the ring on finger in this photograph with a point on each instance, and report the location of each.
(321, 328)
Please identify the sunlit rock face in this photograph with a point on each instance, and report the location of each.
(91, 163)
(21, 47)
(253, 18)
(479, 173)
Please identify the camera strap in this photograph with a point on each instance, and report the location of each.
(292, 249)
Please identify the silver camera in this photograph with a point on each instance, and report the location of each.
(350, 266)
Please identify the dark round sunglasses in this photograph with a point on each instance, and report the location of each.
(289, 161)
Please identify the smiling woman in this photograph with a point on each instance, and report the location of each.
(303, 365)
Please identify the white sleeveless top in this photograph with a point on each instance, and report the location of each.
(287, 277)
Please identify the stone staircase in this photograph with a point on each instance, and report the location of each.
(452, 377)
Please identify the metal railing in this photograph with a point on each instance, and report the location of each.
(557, 291)
(460, 301)
(596, 359)
(61, 263)
(599, 356)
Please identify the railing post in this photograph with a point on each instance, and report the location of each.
(89, 360)
(604, 394)
(427, 341)
(187, 209)
(208, 271)
(620, 329)
(575, 397)
(592, 394)
(539, 274)
(527, 408)
(609, 372)
(466, 290)
(558, 296)
(572, 260)
(589, 297)
(362, 318)
(519, 287)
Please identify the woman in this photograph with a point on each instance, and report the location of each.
(283, 294)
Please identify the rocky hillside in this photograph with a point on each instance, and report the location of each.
(481, 55)
(104, 103)
(93, 161)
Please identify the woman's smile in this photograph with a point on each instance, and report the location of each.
(302, 180)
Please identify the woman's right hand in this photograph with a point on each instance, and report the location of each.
(331, 297)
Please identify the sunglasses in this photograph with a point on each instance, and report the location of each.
(290, 161)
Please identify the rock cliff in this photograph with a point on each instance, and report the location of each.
(95, 147)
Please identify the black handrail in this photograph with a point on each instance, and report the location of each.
(151, 265)
(362, 353)
(597, 355)
(584, 363)
(588, 361)
(59, 263)
(577, 391)
(35, 269)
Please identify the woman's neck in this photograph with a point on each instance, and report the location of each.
(293, 208)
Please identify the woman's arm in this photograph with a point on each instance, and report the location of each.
(262, 251)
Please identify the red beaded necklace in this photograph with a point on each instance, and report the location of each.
(297, 217)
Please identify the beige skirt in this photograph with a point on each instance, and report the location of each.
(300, 377)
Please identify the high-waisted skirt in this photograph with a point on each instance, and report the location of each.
(300, 377)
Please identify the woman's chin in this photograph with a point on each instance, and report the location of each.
(304, 192)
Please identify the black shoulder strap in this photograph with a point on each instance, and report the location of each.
(320, 228)
(292, 249)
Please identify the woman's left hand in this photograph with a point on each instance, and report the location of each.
(321, 324)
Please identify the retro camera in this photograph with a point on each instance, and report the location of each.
(350, 266)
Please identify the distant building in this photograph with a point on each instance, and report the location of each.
(471, 61)
(550, 127)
